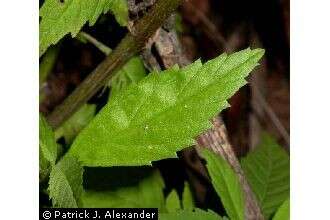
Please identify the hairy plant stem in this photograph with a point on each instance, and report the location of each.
(132, 43)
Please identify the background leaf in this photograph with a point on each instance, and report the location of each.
(173, 201)
(70, 128)
(47, 144)
(226, 184)
(268, 172)
(132, 72)
(147, 193)
(65, 183)
(60, 18)
(197, 214)
(187, 197)
(162, 114)
(283, 213)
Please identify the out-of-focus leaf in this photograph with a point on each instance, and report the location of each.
(283, 212)
(148, 193)
(197, 214)
(226, 184)
(132, 72)
(173, 201)
(268, 172)
(47, 142)
(70, 128)
(187, 198)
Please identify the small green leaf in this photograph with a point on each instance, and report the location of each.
(173, 201)
(59, 18)
(76, 123)
(148, 193)
(44, 166)
(187, 197)
(268, 172)
(197, 214)
(47, 144)
(226, 184)
(163, 113)
(65, 183)
(132, 72)
(283, 212)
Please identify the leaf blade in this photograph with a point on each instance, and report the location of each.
(226, 184)
(268, 172)
(197, 214)
(162, 113)
(60, 18)
(147, 193)
(65, 183)
(47, 144)
(283, 212)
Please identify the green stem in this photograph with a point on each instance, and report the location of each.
(128, 47)
(83, 36)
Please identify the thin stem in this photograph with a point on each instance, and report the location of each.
(129, 46)
(83, 36)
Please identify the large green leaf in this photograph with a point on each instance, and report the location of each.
(283, 213)
(148, 193)
(163, 113)
(65, 183)
(198, 214)
(226, 184)
(59, 18)
(47, 144)
(268, 172)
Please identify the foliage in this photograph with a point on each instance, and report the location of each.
(187, 197)
(173, 201)
(65, 183)
(226, 184)
(76, 123)
(47, 144)
(197, 214)
(283, 213)
(147, 118)
(268, 172)
(161, 114)
(148, 192)
(59, 18)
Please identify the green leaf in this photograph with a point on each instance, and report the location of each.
(65, 183)
(132, 72)
(44, 166)
(148, 193)
(226, 184)
(198, 214)
(283, 213)
(163, 113)
(47, 63)
(187, 197)
(173, 201)
(76, 123)
(268, 172)
(47, 144)
(59, 18)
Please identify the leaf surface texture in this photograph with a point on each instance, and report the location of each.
(59, 18)
(162, 113)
